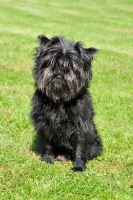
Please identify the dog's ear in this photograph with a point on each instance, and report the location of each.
(79, 48)
(43, 39)
(91, 52)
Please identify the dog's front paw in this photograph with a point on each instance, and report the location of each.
(79, 166)
(48, 158)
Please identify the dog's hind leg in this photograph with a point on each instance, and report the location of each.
(96, 148)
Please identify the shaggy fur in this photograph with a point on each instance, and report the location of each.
(62, 112)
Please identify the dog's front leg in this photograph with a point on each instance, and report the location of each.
(47, 156)
(79, 159)
(46, 151)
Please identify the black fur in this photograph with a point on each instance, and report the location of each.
(62, 111)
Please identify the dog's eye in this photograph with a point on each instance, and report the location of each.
(45, 64)
(86, 67)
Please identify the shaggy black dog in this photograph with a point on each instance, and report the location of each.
(62, 111)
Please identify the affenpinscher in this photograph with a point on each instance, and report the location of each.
(62, 111)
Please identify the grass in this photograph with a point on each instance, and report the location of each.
(106, 25)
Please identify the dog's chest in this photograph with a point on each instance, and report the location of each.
(60, 119)
(62, 126)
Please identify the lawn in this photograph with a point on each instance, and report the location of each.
(106, 25)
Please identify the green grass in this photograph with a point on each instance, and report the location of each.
(106, 25)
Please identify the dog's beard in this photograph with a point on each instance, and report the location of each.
(59, 87)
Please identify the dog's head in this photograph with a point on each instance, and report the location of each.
(62, 68)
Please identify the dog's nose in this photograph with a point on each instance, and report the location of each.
(59, 68)
(59, 72)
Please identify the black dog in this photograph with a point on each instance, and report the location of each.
(62, 111)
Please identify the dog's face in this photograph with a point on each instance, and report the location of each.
(62, 68)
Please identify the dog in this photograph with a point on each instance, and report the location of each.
(62, 111)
